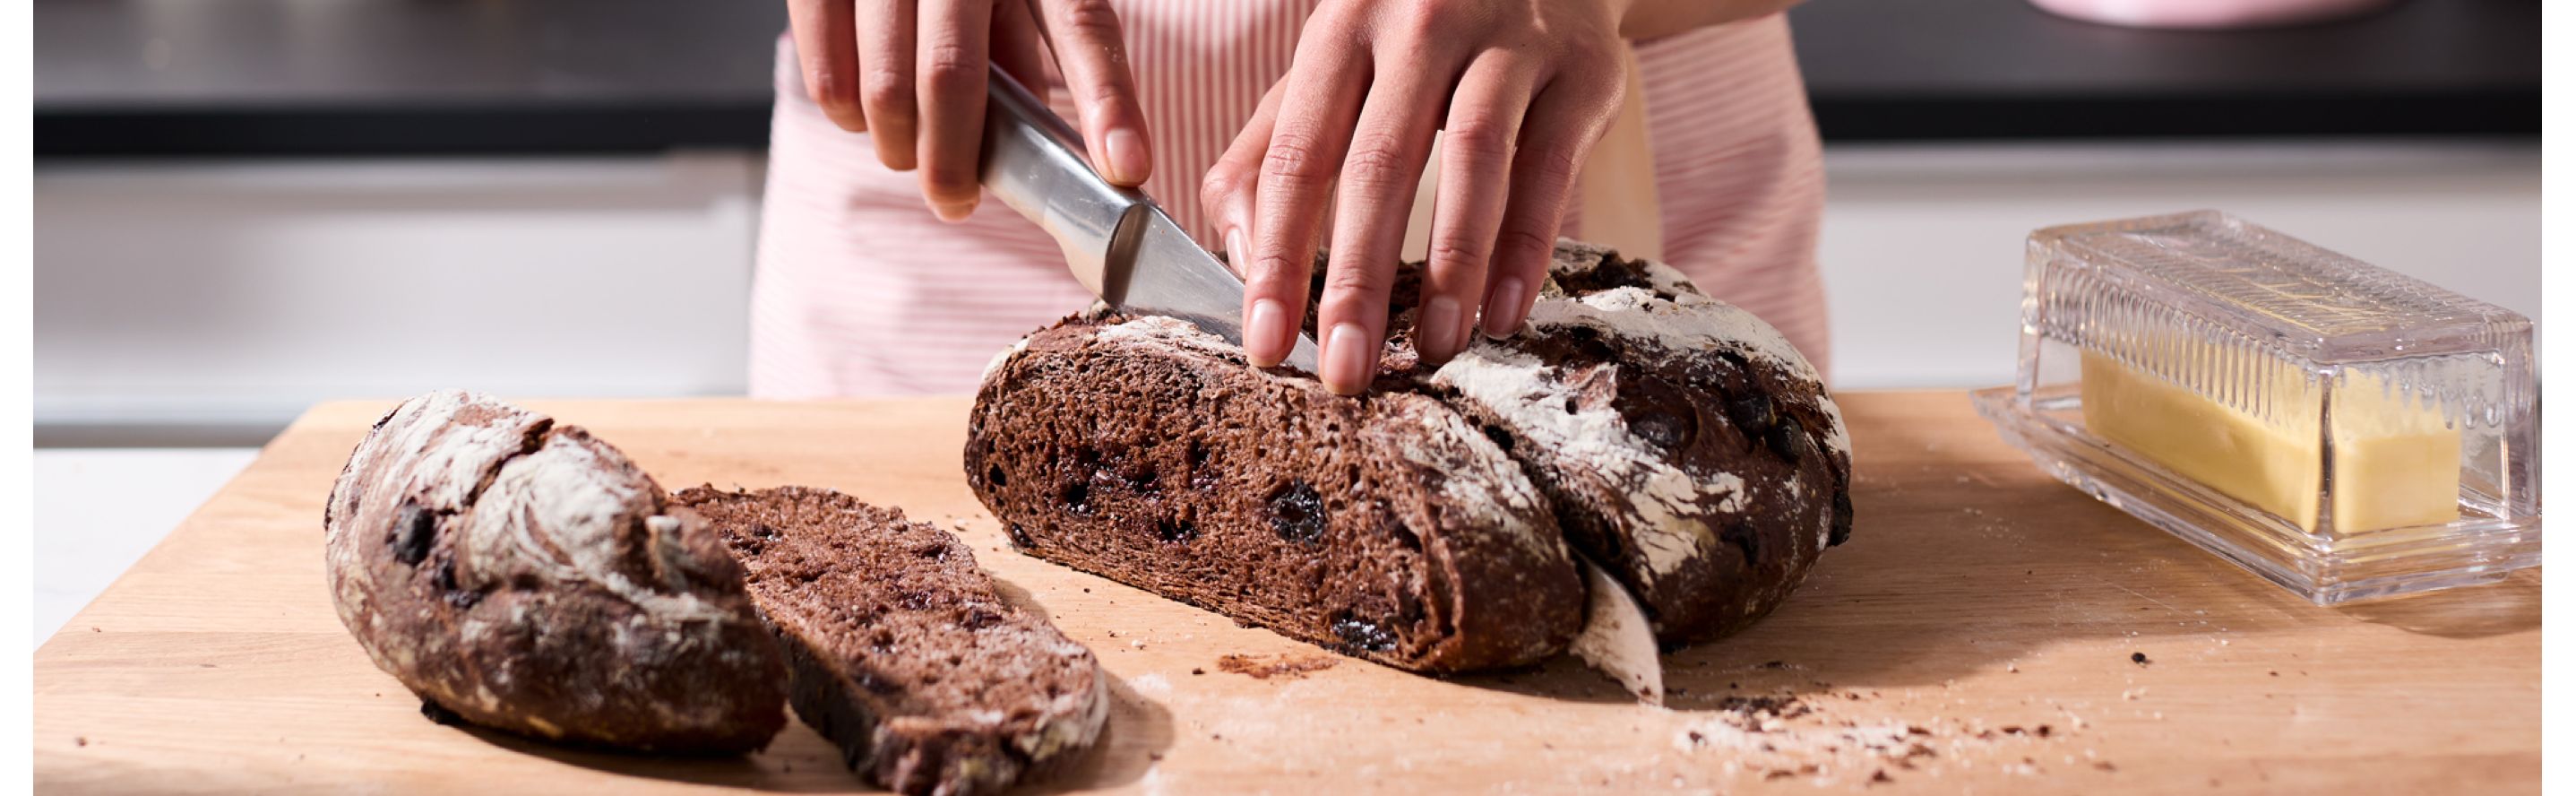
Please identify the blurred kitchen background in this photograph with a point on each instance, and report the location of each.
(246, 206)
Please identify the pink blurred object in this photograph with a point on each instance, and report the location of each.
(2209, 14)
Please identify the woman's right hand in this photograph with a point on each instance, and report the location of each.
(911, 74)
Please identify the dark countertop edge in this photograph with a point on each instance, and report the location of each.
(468, 127)
(2501, 112)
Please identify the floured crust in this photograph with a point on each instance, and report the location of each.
(1686, 445)
(524, 576)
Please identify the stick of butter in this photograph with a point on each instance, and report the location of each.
(2394, 462)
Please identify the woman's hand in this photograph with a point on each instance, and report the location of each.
(912, 74)
(1523, 88)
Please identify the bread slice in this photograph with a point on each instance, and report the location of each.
(522, 575)
(899, 648)
(1386, 527)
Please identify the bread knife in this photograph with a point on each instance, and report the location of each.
(1617, 640)
(1116, 240)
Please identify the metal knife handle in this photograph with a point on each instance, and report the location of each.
(1033, 161)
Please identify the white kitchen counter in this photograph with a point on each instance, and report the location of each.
(100, 509)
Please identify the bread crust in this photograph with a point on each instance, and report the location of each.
(524, 576)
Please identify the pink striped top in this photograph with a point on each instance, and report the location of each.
(859, 291)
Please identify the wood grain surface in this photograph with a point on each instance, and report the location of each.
(1985, 630)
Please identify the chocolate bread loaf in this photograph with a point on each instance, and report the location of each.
(1387, 527)
(1673, 438)
(1684, 444)
(900, 649)
(525, 576)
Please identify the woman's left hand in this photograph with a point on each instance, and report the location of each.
(1522, 87)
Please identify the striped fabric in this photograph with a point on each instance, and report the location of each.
(859, 291)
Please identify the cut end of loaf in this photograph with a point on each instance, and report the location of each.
(1675, 438)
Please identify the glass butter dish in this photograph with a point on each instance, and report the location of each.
(2342, 430)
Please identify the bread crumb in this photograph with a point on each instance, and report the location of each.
(1261, 667)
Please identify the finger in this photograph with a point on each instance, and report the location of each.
(1379, 180)
(885, 36)
(1307, 141)
(1020, 48)
(827, 50)
(1475, 177)
(1227, 193)
(1092, 52)
(1563, 122)
(950, 75)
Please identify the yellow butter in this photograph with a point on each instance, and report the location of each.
(2396, 463)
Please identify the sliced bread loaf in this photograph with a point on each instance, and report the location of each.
(524, 576)
(1674, 438)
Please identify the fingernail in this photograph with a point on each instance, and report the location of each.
(1439, 329)
(1234, 250)
(1127, 157)
(1349, 360)
(1504, 309)
(1266, 334)
(953, 211)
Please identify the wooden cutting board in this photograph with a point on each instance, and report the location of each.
(1985, 629)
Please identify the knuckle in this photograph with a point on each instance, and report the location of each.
(887, 93)
(1221, 182)
(1376, 163)
(1425, 21)
(1279, 275)
(949, 68)
(1587, 55)
(1478, 135)
(949, 176)
(1554, 166)
(1454, 249)
(825, 88)
(1095, 18)
(1350, 281)
(1526, 240)
(1608, 91)
(1290, 160)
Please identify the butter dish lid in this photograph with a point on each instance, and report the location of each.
(2302, 300)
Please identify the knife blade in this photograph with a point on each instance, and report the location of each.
(1617, 640)
(1116, 240)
